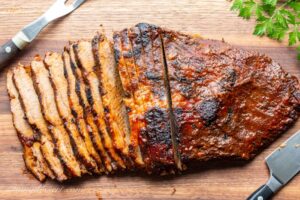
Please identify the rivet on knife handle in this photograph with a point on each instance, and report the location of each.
(7, 51)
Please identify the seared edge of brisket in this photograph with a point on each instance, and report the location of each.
(150, 73)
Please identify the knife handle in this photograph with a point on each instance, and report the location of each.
(7, 51)
(262, 193)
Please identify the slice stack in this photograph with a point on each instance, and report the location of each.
(152, 100)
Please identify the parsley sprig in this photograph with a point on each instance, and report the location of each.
(275, 19)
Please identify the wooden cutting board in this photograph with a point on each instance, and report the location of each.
(211, 181)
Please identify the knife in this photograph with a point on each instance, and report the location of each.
(11, 48)
(283, 164)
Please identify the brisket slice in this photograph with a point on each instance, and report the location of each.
(112, 94)
(55, 64)
(86, 61)
(33, 112)
(56, 127)
(151, 113)
(77, 110)
(84, 94)
(129, 100)
(32, 155)
(227, 102)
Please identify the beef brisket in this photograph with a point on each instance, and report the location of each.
(154, 100)
(55, 65)
(227, 102)
(47, 100)
(32, 155)
(32, 108)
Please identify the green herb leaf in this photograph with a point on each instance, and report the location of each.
(295, 5)
(292, 38)
(247, 9)
(237, 5)
(274, 19)
(260, 29)
(270, 2)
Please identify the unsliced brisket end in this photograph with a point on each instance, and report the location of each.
(33, 112)
(84, 92)
(55, 64)
(228, 102)
(56, 127)
(34, 162)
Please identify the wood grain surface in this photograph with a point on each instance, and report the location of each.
(208, 181)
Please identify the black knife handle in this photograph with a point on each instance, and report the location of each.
(262, 193)
(7, 52)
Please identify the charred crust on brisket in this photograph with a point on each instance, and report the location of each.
(158, 128)
(208, 110)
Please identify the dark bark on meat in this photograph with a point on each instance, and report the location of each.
(228, 102)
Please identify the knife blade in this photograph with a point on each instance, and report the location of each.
(11, 48)
(283, 164)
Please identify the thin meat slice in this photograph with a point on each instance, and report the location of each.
(150, 98)
(55, 64)
(33, 158)
(49, 107)
(77, 110)
(33, 112)
(85, 100)
(85, 58)
(228, 102)
(112, 92)
(129, 100)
